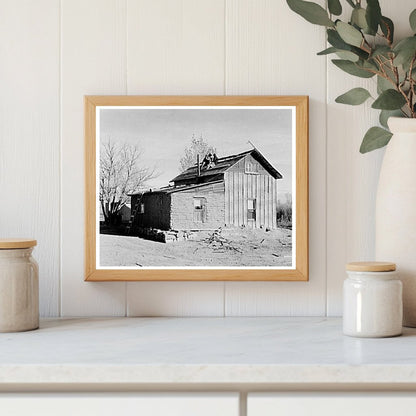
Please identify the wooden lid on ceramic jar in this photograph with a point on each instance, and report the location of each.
(371, 266)
(13, 243)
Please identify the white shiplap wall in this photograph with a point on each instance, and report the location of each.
(53, 52)
(30, 134)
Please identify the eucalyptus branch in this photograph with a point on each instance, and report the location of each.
(368, 48)
(412, 85)
(372, 71)
(406, 97)
(381, 65)
(384, 73)
(395, 71)
(386, 37)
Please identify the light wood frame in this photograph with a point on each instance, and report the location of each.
(300, 273)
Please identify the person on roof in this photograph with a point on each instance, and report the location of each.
(210, 160)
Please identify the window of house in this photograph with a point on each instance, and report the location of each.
(199, 203)
(251, 209)
(141, 208)
(251, 167)
(199, 209)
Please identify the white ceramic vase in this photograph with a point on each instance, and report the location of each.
(396, 210)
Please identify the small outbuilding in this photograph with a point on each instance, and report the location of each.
(236, 190)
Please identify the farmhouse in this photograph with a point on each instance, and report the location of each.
(236, 190)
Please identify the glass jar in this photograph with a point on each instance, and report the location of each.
(19, 286)
(372, 300)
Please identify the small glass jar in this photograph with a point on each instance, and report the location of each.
(372, 300)
(19, 286)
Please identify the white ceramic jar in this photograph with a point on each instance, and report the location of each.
(372, 300)
(19, 286)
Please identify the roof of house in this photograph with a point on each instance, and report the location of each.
(212, 174)
(172, 189)
(223, 164)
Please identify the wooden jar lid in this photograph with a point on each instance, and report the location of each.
(11, 243)
(371, 266)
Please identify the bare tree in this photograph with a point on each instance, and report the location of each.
(121, 173)
(197, 147)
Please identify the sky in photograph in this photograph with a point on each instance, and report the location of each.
(163, 134)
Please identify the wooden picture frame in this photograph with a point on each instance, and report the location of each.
(95, 110)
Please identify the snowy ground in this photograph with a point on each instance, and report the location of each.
(233, 248)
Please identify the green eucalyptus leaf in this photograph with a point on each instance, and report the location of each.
(405, 50)
(373, 15)
(363, 54)
(412, 20)
(350, 56)
(381, 50)
(375, 138)
(356, 96)
(347, 55)
(360, 52)
(349, 34)
(336, 41)
(386, 114)
(373, 65)
(405, 43)
(334, 7)
(389, 100)
(352, 68)
(311, 12)
(327, 51)
(392, 76)
(387, 27)
(383, 84)
(358, 18)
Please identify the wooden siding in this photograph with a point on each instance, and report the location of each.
(241, 186)
(240, 166)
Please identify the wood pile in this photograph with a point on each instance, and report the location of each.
(219, 243)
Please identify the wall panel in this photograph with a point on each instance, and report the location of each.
(29, 135)
(175, 47)
(93, 62)
(267, 54)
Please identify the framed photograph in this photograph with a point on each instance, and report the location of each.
(196, 188)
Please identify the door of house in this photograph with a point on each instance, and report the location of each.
(251, 212)
(199, 209)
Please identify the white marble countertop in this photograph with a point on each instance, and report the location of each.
(203, 351)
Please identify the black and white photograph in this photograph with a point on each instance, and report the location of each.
(195, 187)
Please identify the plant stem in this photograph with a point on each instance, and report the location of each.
(412, 86)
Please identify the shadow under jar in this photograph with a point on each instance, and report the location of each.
(19, 286)
(373, 304)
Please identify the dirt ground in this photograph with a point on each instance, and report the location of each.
(231, 248)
